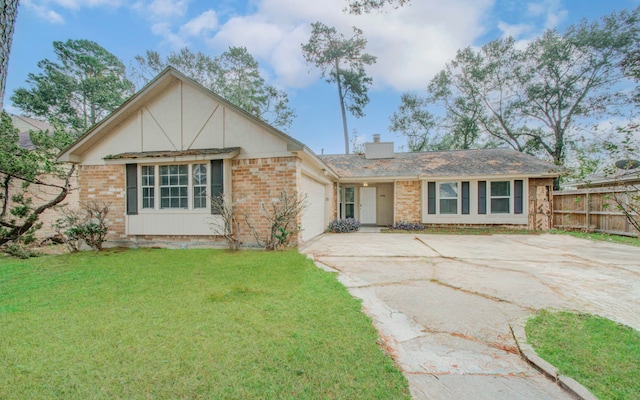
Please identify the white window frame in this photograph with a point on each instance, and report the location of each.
(491, 197)
(190, 188)
(439, 198)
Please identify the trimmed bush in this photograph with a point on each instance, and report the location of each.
(408, 226)
(344, 225)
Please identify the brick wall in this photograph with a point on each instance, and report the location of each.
(258, 181)
(408, 201)
(541, 203)
(106, 183)
(333, 210)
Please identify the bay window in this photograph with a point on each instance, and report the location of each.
(180, 186)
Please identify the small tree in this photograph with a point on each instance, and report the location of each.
(24, 172)
(282, 215)
(625, 175)
(87, 224)
(226, 225)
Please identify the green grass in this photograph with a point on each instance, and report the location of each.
(600, 354)
(632, 241)
(185, 324)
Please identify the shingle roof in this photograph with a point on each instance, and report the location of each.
(480, 162)
(178, 153)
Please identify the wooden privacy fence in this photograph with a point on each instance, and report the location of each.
(592, 210)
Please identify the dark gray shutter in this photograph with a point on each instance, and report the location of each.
(482, 197)
(465, 197)
(217, 179)
(132, 189)
(431, 197)
(517, 196)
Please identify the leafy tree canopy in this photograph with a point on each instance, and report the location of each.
(537, 98)
(358, 7)
(82, 87)
(234, 75)
(21, 169)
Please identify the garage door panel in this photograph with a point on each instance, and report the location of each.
(313, 217)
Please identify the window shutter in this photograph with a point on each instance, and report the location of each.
(482, 197)
(132, 189)
(518, 196)
(217, 179)
(465, 197)
(431, 197)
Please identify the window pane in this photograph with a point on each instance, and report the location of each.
(349, 211)
(199, 197)
(501, 188)
(349, 195)
(173, 186)
(448, 206)
(449, 190)
(199, 175)
(500, 206)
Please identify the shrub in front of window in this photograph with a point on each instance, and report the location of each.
(87, 224)
(344, 225)
(226, 224)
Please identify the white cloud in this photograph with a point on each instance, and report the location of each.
(173, 40)
(165, 9)
(551, 10)
(412, 43)
(203, 24)
(43, 12)
(76, 4)
(514, 30)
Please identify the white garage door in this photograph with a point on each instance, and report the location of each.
(313, 216)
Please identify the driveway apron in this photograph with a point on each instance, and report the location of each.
(443, 303)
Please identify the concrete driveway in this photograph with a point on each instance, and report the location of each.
(443, 302)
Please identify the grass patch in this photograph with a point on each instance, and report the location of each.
(600, 354)
(603, 237)
(153, 323)
(457, 230)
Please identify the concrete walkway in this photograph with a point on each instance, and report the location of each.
(443, 302)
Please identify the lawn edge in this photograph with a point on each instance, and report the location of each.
(529, 354)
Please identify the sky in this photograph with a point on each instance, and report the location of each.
(411, 44)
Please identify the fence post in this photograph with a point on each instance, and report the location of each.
(587, 206)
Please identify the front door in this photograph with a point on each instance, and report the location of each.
(368, 205)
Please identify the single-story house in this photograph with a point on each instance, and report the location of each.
(159, 157)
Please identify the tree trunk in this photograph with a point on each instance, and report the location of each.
(8, 15)
(344, 112)
(17, 231)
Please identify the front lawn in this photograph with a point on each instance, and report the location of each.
(600, 354)
(185, 324)
(603, 237)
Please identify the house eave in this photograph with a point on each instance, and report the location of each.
(175, 156)
(423, 177)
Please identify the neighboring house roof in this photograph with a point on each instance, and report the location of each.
(458, 163)
(619, 177)
(24, 126)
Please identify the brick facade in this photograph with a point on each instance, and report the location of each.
(106, 183)
(408, 201)
(541, 204)
(258, 181)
